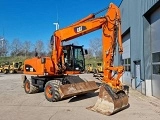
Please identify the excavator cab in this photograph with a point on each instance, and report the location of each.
(74, 58)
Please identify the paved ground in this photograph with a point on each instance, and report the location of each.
(16, 105)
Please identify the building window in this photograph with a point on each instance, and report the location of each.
(156, 63)
(156, 69)
(127, 64)
(156, 57)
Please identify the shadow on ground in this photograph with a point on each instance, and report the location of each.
(84, 96)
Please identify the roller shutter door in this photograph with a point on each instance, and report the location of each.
(126, 78)
(155, 47)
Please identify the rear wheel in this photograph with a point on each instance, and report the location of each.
(29, 88)
(51, 90)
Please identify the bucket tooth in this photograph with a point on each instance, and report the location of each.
(73, 89)
(109, 102)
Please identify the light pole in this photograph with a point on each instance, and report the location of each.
(57, 25)
(2, 45)
(2, 40)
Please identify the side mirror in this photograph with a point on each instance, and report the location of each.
(51, 40)
(65, 51)
(86, 51)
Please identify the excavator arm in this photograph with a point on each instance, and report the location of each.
(85, 26)
(110, 25)
(112, 96)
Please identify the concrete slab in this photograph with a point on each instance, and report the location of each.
(15, 104)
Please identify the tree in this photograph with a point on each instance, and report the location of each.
(4, 46)
(26, 47)
(95, 45)
(16, 47)
(99, 55)
(90, 53)
(40, 47)
(49, 49)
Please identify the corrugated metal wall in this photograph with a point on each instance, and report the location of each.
(132, 12)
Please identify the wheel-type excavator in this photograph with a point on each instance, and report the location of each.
(56, 73)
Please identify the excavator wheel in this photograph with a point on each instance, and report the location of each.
(51, 90)
(110, 102)
(29, 88)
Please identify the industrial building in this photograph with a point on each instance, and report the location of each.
(141, 42)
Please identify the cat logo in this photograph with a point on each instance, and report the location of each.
(79, 29)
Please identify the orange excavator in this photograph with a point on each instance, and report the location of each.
(56, 74)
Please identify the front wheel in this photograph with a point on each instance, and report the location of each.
(51, 90)
(96, 71)
(5, 71)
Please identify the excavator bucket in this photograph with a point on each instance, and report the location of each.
(55, 90)
(110, 102)
(74, 89)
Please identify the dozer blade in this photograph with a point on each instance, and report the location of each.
(74, 89)
(109, 102)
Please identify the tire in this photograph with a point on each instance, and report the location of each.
(95, 71)
(29, 88)
(5, 71)
(51, 90)
(11, 71)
